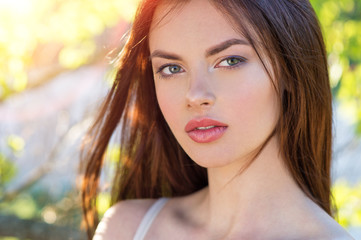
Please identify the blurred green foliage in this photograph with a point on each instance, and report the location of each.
(16, 143)
(24, 206)
(341, 22)
(7, 171)
(69, 25)
(348, 202)
(103, 202)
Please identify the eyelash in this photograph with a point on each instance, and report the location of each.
(239, 58)
(161, 68)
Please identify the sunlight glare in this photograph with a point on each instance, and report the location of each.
(17, 6)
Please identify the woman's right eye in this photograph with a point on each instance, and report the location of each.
(169, 69)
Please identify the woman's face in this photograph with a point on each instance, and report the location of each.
(211, 86)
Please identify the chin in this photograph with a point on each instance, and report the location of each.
(210, 160)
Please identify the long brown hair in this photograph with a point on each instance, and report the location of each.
(153, 164)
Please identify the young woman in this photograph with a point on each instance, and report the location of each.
(225, 112)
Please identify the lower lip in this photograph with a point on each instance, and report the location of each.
(207, 135)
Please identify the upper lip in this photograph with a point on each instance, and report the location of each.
(202, 122)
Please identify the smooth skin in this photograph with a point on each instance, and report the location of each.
(203, 68)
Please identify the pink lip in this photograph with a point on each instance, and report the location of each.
(205, 135)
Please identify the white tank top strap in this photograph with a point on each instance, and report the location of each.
(148, 218)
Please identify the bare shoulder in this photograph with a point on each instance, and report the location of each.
(324, 227)
(307, 220)
(334, 231)
(122, 219)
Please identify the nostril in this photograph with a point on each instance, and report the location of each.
(200, 99)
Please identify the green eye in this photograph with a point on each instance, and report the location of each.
(232, 61)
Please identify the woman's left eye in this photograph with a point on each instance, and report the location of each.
(231, 61)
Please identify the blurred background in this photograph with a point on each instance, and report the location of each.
(56, 66)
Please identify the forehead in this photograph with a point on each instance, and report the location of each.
(196, 21)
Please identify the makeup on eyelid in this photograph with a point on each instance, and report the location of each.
(231, 61)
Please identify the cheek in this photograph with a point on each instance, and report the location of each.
(169, 104)
(254, 103)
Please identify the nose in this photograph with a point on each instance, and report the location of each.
(200, 95)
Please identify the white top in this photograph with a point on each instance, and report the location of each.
(148, 218)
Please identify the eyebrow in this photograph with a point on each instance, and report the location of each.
(166, 55)
(209, 52)
(224, 45)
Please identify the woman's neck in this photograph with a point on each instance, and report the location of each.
(253, 197)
